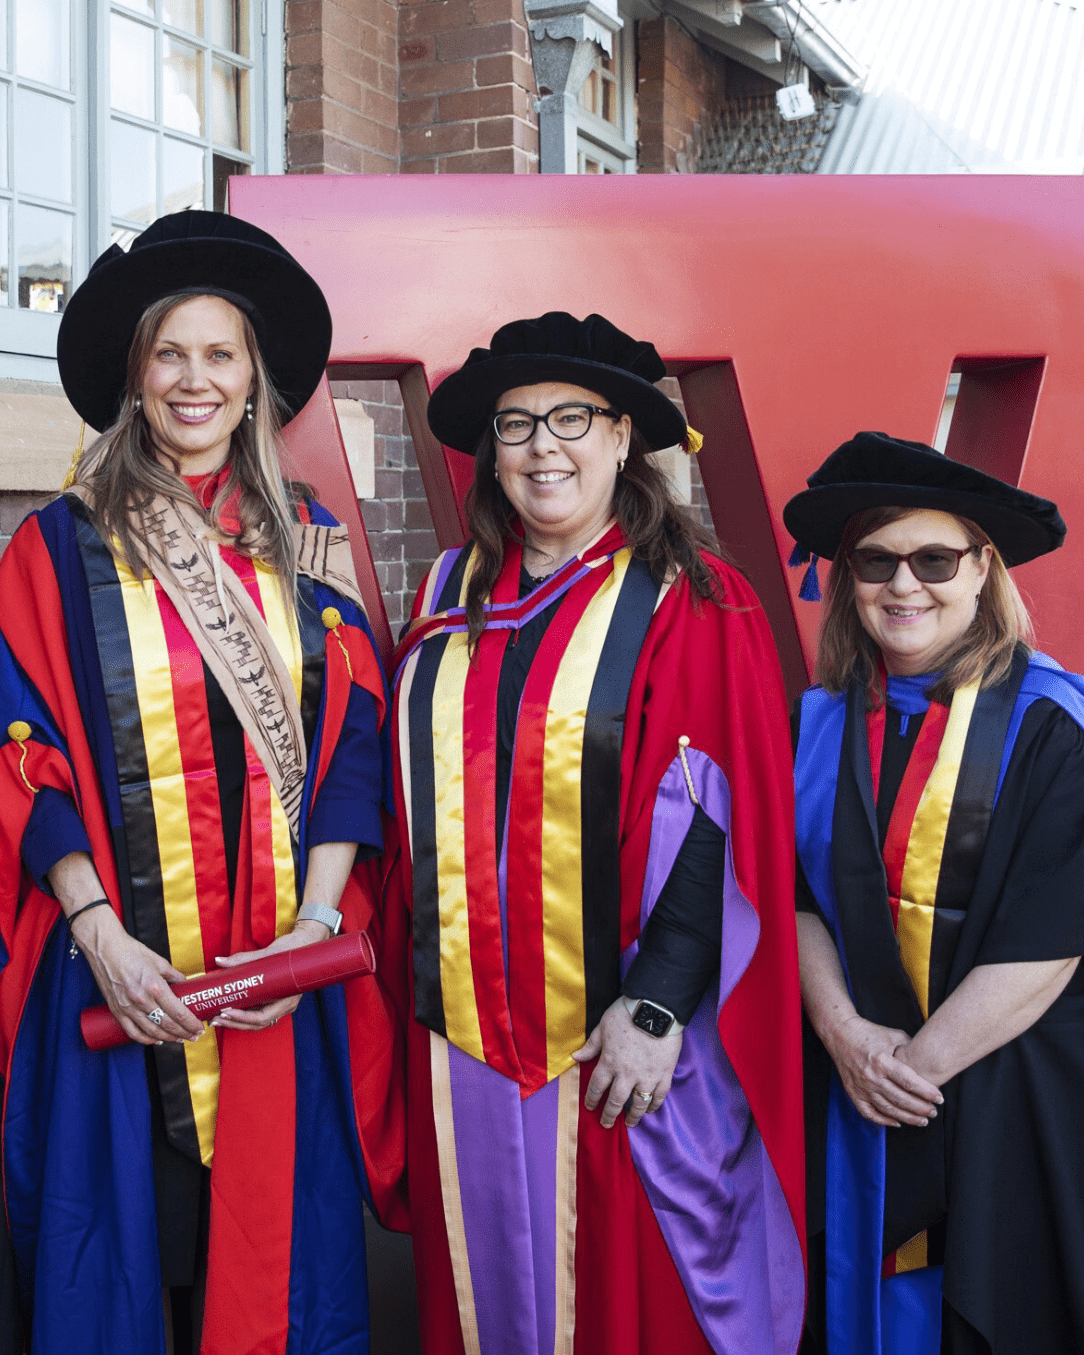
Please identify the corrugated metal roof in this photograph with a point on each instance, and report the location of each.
(960, 86)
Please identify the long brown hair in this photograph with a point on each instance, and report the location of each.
(847, 654)
(123, 473)
(658, 529)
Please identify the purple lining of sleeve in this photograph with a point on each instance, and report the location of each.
(701, 1158)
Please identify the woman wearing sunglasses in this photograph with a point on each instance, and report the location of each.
(940, 817)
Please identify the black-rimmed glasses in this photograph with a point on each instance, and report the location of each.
(929, 564)
(567, 422)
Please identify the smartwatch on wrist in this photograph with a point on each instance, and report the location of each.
(320, 912)
(651, 1018)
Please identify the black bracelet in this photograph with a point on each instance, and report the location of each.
(73, 949)
(86, 909)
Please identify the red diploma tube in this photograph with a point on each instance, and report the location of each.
(284, 974)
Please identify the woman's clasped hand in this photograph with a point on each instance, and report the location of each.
(881, 1085)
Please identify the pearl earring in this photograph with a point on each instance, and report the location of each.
(620, 465)
(139, 402)
(248, 410)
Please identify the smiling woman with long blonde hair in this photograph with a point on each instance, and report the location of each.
(195, 778)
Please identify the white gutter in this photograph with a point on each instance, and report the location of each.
(791, 22)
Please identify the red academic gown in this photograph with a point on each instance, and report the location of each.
(295, 1104)
(708, 672)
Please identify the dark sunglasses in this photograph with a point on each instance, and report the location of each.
(929, 564)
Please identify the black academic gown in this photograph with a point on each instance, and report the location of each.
(998, 1177)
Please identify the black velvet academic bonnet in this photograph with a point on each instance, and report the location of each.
(192, 251)
(876, 471)
(591, 353)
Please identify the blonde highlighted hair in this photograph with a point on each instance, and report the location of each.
(124, 474)
(846, 653)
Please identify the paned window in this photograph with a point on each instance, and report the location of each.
(600, 93)
(39, 192)
(180, 94)
(113, 112)
(606, 117)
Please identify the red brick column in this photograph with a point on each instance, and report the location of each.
(680, 85)
(466, 88)
(342, 87)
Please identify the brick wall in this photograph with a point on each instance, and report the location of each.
(698, 499)
(397, 521)
(342, 86)
(466, 87)
(680, 85)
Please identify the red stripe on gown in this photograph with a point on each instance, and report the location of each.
(252, 1180)
(479, 834)
(256, 880)
(480, 854)
(377, 1056)
(919, 766)
(629, 1296)
(438, 1309)
(526, 954)
(200, 782)
(252, 1186)
(39, 641)
(916, 774)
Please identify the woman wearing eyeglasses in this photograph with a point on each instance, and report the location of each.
(940, 815)
(604, 1069)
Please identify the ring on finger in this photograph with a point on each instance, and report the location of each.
(156, 1016)
(646, 1097)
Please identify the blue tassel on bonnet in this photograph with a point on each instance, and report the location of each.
(810, 591)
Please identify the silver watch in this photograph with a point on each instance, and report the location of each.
(320, 912)
(649, 1017)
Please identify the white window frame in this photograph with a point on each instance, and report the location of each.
(597, 139)
(28, 340)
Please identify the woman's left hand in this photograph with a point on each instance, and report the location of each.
(260, 1018)
(632, 1066)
